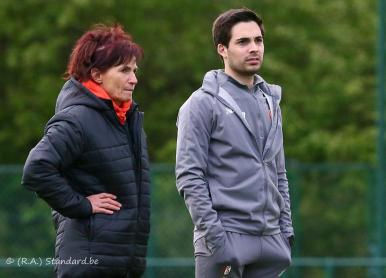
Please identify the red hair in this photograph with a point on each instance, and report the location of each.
(101, 47)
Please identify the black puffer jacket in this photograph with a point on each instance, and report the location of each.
(85, 151)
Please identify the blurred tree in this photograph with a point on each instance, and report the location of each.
(322, 55)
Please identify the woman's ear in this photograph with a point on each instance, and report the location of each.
(96, 76)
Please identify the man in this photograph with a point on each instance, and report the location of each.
(230, 160)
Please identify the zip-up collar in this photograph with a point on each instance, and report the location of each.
(223, 95)
(215, 78)
(74, 93)
(223, 78)
(212, 85)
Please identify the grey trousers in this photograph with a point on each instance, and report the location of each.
(243, 256)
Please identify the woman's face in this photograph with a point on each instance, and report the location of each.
(119, 81)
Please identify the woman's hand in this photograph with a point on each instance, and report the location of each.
(104, 203)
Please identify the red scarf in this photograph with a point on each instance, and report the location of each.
(97, 90)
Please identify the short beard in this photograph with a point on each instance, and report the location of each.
(246, 72)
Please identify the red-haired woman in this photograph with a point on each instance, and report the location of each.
(91, 166)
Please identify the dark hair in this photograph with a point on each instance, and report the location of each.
(101, 47)
(223, 24)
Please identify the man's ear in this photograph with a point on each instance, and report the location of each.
(222, 50)
(96, 76)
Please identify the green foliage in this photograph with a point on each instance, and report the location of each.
(321, 53)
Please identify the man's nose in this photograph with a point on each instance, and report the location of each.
(254, 47)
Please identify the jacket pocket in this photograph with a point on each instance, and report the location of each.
(286, 241)
(119, 227)
(203, 248)
(79, 226)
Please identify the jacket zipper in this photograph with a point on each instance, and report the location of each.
(262, 160)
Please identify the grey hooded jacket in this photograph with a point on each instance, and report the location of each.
(229, 184)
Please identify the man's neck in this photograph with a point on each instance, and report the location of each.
(242, 79)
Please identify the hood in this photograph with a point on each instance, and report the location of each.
(74, 93)
(213, 81)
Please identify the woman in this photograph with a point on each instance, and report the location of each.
(91, 166)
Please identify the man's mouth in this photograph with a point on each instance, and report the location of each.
(253, 61)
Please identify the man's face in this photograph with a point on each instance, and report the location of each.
(244, 54)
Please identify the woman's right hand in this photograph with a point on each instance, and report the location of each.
(104, 203)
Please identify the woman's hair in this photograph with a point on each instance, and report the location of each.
(224, 23)
(101, 47)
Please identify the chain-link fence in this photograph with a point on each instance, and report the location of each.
(333, 214)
